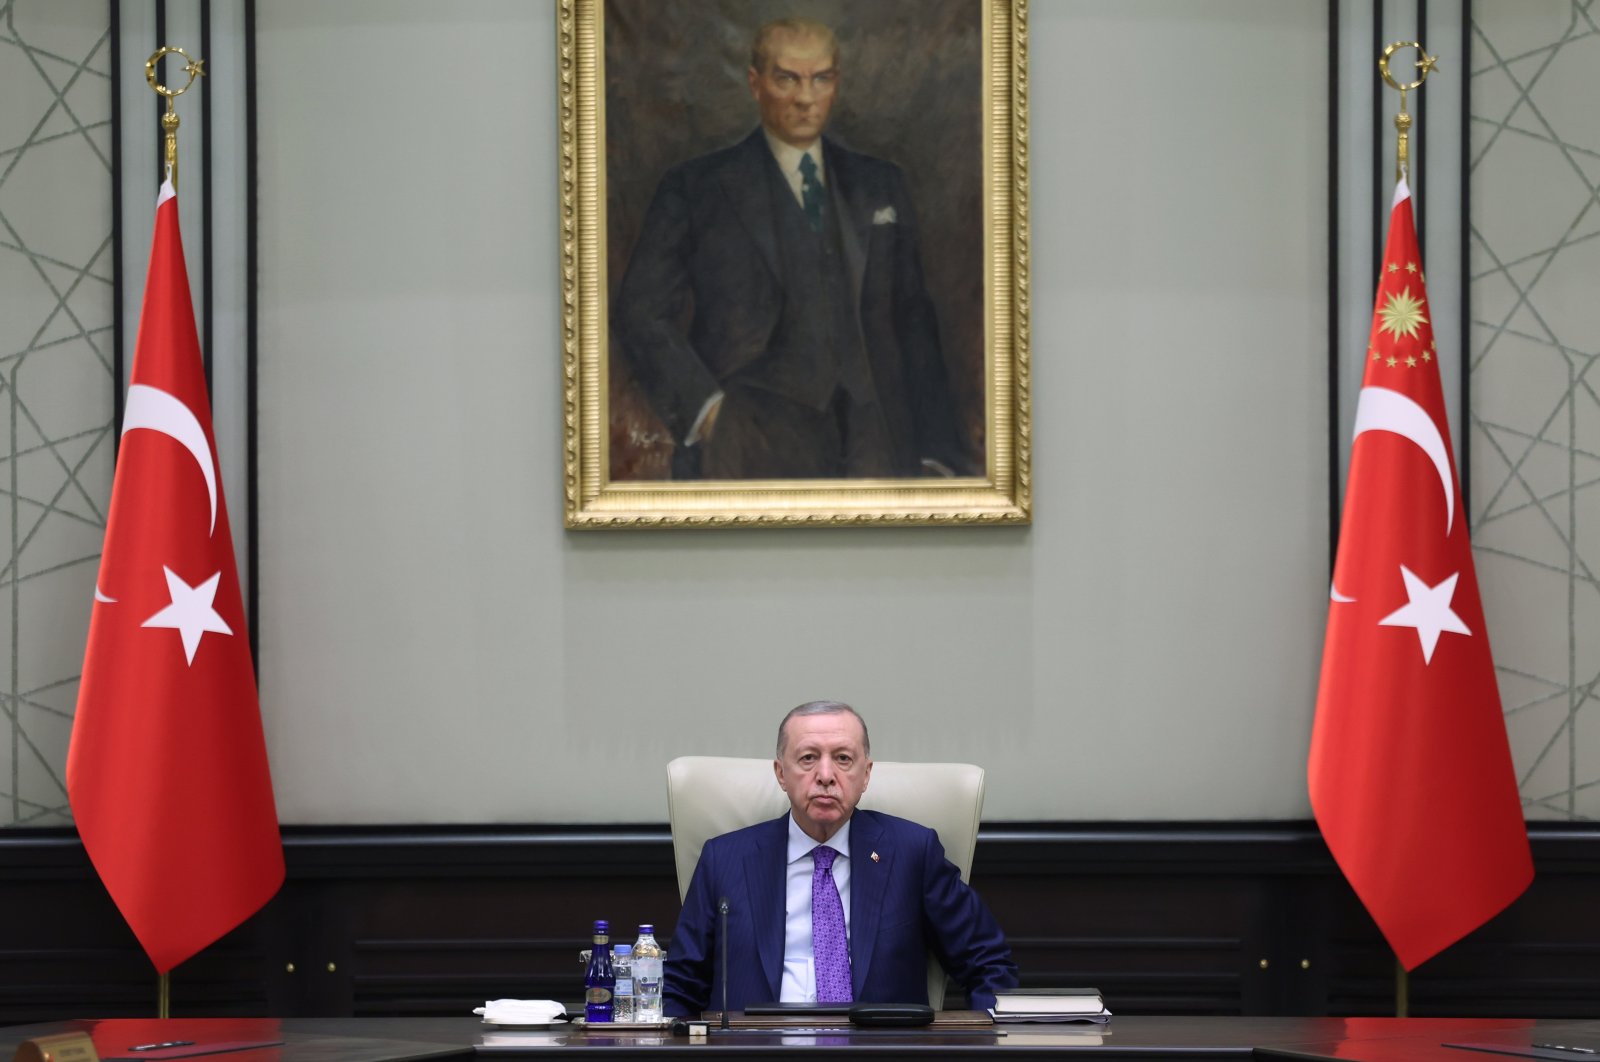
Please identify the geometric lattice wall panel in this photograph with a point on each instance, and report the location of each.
(56, 334)
(1535, 410)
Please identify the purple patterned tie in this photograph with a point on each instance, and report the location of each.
(830, 950)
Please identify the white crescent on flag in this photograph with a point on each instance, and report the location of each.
(1380, 409)
(153, 409)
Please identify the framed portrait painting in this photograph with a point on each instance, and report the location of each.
(794, 252)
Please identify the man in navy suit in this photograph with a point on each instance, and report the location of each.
(856, 926)
(774, 311)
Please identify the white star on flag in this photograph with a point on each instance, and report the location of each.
(1427, 610)
(190, 613)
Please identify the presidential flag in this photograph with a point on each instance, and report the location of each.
(1410, 769)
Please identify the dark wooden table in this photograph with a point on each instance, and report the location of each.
(465, 1039)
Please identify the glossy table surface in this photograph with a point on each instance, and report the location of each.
(402, 1039)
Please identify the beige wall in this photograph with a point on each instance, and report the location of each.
(56, 340)
(1534, 256)
(435, 647)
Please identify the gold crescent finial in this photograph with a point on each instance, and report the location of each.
(195, 68)
(1426, 64)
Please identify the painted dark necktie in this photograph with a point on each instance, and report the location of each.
(811, 193)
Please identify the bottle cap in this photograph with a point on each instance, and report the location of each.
(647, 930)
(602, 926)
(622, 951)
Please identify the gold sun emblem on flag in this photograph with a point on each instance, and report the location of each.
(1402, 315)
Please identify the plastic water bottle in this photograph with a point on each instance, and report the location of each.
(622, 996)
(600, 979)
(647, 976)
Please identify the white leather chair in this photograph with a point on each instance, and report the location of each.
(711, 795)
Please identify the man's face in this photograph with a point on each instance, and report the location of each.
(796, 91)
(824, 770)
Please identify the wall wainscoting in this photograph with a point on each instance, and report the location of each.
(1168, 918)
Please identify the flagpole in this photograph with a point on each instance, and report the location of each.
(169, 127)
(169, 121)
(1402, 172)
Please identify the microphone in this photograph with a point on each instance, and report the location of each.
(722, 935)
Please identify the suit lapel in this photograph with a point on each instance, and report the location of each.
(764, 882)
(855, 212)
(868, 877)
(745, 183)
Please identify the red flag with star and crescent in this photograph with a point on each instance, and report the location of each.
(1410, 770)
(167, 772)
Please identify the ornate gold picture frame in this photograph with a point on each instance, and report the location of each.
(748, 340)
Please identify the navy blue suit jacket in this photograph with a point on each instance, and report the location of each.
(909, 900)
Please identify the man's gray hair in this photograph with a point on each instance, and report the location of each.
(823, 708)
(761, 47)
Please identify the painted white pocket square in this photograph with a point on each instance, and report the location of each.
(884, 216)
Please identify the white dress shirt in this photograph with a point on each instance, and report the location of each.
(799, 969)
(788, 157)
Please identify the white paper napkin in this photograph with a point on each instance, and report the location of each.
(520, 1011)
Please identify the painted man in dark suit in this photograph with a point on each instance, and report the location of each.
(774, 311)
(887, 880)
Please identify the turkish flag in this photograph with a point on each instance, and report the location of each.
(1410, 770)
(167, 772)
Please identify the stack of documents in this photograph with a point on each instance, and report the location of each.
(1050, 1005)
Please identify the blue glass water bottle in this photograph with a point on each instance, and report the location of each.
(600, 980)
